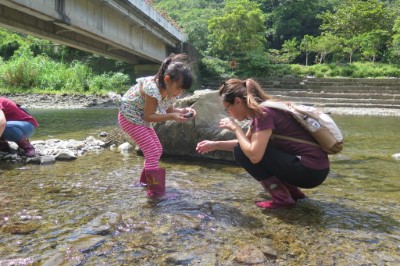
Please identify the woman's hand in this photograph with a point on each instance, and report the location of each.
(228, 123)
(206, 146)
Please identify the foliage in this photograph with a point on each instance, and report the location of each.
(290, 50)
(326, 44)
(333, 30)
(395, 47)
(18, 72)
(372, 43)
(262, 36)
(116, 82)
(26, 71)
(214, 67)
(288, 19)
(237, 31)
(355, 17)
(254, 64)
(306, 45)
(354, 70)
(193, 16)
(351, 45)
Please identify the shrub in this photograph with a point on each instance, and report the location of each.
(354, 70)
(19, 71)
(117, 82)
(213, 67)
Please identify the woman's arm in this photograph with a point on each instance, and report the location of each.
(208, 145)
(253, 145)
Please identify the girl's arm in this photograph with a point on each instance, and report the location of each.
(150, 115)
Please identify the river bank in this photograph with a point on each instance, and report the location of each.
(74, 101)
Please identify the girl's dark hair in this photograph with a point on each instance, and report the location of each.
(178, 70)
(248, 90)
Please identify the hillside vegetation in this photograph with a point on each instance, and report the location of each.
(230, 38)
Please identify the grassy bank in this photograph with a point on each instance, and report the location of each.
(354, 70)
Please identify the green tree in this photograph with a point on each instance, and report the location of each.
(395, 46)
(326, 44)
(356, 17)
(238, 30)
(372, 43)
(306, 45)
(288, 19)
(290, 50)
(350, 46)
(193, 17)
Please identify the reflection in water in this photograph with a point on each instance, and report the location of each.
(86, 212)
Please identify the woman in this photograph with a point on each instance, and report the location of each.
(16, 125)
(281, 166)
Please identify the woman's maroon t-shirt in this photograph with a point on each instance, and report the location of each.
(13, 113)
(282, 123)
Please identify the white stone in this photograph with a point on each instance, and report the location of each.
(396, 156)
(125, 147)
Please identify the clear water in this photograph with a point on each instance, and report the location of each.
(85, 212)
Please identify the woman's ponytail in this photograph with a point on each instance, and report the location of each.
(248, 90)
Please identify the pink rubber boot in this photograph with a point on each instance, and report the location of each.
(280, 195)
(142, 180)
(295, 192)
(155, 179)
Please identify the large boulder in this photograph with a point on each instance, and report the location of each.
(180, 139)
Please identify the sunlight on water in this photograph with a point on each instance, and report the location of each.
(86, 212)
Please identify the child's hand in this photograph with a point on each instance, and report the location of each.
(189, 112)
(179, 117)
(188, 115)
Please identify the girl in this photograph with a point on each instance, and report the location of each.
(149, 101)
(281, 166)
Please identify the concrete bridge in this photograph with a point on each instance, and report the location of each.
(127, 30)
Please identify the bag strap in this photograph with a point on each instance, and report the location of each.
(295, 139)
(287, 106)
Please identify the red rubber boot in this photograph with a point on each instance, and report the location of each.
(280, 195)
(142, 180)
(28, 148)
(155, 179)
(295, 192)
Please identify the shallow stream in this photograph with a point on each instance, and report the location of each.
(86, 212)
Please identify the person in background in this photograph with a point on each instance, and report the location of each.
(281, 166)
(149, 101)
(16, 125)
